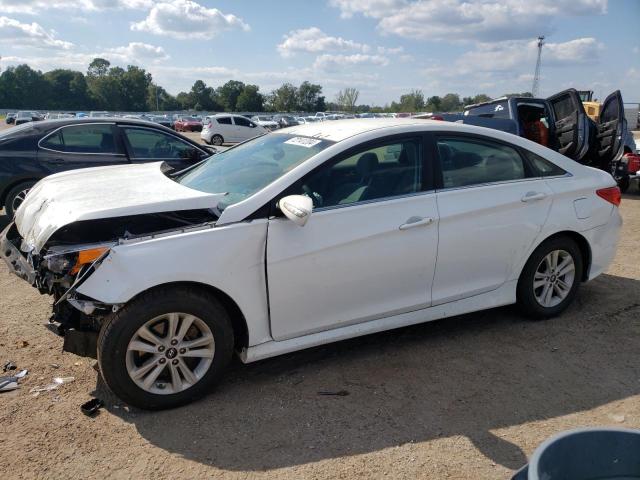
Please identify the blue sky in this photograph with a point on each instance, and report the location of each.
(382, 47)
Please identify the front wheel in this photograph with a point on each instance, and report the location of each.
(16, 196)
(165, 348)
(550, 279)
(217, 140)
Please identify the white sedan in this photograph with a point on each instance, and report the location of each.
(305, 236)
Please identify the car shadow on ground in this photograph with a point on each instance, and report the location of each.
(470, 375)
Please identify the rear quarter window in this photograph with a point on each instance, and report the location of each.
(543, 167)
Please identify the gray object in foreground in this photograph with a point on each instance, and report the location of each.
(586, 454)
(11, 383)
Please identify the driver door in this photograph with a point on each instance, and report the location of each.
(571, 124)
(150, 145)
(611, 128)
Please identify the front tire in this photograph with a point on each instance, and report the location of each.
(16, 196)
(550, 279)
(165, 348)
(217, 140)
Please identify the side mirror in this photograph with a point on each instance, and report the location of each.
(296, 208)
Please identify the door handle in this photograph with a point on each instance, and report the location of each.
(416, 222)
(533, 196)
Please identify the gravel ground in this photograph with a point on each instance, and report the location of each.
(467, 397)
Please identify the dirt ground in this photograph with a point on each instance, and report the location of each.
(469, 397)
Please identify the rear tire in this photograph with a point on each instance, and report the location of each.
(119, 362)
(545, 290)
(15, 197)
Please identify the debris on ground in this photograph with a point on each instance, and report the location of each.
(90, 408)
(9, 366)
(23, 344)
(339, 393)
(57, 381)
(11, 383)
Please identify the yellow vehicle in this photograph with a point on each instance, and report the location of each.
(591, 107)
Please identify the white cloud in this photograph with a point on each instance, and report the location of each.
(390, 50)
(29, 34)
(34, 7)
(186, 19)
(329, 62)
(487, 20)
(136, 52)
(315, 40)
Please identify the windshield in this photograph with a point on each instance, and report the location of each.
(243, 170)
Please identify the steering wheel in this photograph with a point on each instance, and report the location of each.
(317, 199)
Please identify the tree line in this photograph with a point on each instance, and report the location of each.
(107, 87)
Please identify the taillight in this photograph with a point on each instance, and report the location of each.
(437, 117)
(611, 195)
(633, 162)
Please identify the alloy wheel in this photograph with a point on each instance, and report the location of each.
(170, 353)
(554, 278)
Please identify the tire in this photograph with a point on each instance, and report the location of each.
(528, 297)
(15, 196)
(121, 330)
(217, 140)
(623, 184)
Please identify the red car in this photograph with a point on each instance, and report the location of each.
(188, 124)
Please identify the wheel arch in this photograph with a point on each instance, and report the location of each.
(238, 320)
(583, 245)
(8, 188)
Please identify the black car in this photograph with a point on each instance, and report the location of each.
(34, 150)
(10, 118)
(160, 120)
(25, 117)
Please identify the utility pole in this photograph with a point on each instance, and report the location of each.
(157, 101)
(536, 76)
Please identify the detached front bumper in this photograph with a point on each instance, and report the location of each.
(13, 257)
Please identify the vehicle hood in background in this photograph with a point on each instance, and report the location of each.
(102, 192)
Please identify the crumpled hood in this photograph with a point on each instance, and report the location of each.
(102, 192)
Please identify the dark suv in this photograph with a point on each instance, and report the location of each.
(33, 150)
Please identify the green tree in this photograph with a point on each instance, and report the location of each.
(310, 98)
(412, 101)
(283, 99)
(98, 67)
(67, 90)
(228, 95)
(451, 102)
(250, 100)
(480, 98)
(434, 104)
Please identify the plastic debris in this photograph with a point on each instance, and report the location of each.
(11, 383)
(57, 381)
(9, 366)
(90, 408)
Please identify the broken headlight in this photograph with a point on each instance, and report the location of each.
(71, 262)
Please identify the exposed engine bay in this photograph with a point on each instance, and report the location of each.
(73, 253)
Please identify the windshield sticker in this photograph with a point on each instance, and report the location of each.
(303, 141)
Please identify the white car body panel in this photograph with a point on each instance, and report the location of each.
(230, 133)
(335, 250)
(303, 286)
(101, 192)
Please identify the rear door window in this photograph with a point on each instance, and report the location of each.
(470, 161)
(224, 120)
(82, 139)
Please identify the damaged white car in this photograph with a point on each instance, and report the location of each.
(301, 237)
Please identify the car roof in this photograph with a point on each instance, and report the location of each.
(338, 130)
(62, 122)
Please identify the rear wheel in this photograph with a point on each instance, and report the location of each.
(16, 196)
(550, 278)
(217, 140)
(165, 348)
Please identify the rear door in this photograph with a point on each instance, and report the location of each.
(80, 146)
(150, 145)
(611, 128)
(571, 124)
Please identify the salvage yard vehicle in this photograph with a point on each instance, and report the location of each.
(10, 118)
(188, 124)
(31, 152)
(227, 128)
(560, 122)
(265, 121)
(302, 237)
